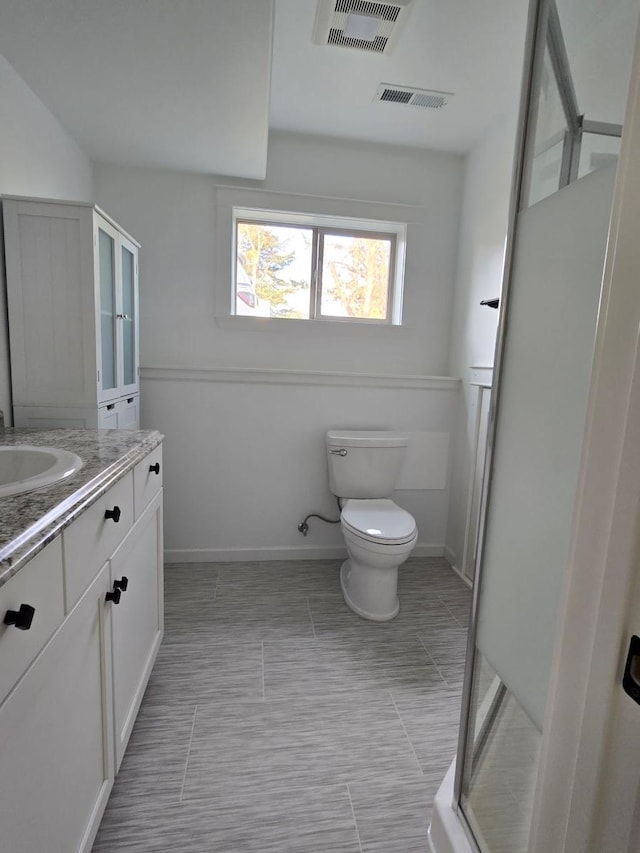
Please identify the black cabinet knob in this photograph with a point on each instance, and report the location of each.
(122, 584)
(21, 618)
(114, 596)
(154, 469)
(114, 513)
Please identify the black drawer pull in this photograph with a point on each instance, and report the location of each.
(122, 584)
(22, 618)
(154, 469)
(114, 596)
(114, 513)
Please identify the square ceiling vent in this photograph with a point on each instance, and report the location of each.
(360, 24)
(405, 95)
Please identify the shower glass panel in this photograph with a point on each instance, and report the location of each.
(551, 135)
(557, 244)
(597, 152)
(498, 793)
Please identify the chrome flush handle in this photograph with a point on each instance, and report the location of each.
(341, 452)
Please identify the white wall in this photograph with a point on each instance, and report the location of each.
(245, 460)
(39, 158)
(173, 216)
(483, 231)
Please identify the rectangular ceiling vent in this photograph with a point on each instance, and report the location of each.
(425, 98)
(367, 25)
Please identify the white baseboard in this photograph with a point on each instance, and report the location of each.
(314, 552)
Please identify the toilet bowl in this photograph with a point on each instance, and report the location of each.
(364, 467)
(379, 536)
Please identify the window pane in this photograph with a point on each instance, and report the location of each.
(273, 276)
(106, 248)
(355, 277)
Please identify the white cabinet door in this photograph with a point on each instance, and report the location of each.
(56, 767)
(128, 316)
(116, 298)
(107, 308)
(137, 619)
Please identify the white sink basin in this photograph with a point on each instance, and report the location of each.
(24, 467)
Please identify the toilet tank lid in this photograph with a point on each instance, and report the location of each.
(366, 438)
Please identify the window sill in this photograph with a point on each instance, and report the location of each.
(311, 327)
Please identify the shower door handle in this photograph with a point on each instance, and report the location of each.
(631, 677)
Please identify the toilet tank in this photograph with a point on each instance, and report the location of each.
(364, 463)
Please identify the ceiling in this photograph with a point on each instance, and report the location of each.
(177, 84)
(194, 84)
(473, 50)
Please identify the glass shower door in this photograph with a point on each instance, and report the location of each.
(549, 313)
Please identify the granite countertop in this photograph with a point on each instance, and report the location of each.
(31, 520)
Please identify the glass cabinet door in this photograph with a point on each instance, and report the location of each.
(128, 318)
(107, 270)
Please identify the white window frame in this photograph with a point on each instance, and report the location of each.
(395, 232)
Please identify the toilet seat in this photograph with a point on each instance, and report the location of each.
(379, 520)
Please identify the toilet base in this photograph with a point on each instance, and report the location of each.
(373, 589)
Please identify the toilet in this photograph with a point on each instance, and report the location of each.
(363, 468)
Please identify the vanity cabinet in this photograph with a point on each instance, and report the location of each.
(72, 683)
(72, 298)
(57, 763)
(137, 620)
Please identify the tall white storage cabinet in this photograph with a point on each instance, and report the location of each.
(72, 296)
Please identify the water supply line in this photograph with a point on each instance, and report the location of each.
(303, 527)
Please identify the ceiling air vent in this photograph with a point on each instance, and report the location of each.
(425, 98)
(360, 24)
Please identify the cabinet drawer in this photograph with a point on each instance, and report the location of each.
(91, 540)
(108, 416)
(40, 585)
(128, 413)
(147, 479)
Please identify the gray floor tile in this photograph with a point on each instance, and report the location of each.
(296, 743)
(306, 714)
(243, 617)
(332, 618)
(256, 746)
(273, 577)
(154, 764)
(431, 724)
(367, 737)
(315, 820)
(344, 665)
(428, 574)
(446, 645)
(203, 670)
(393, 815)
(189, 593)
(458, 603)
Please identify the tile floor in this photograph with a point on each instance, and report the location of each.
(277, 720)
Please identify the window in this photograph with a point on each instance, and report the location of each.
(298, 266)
